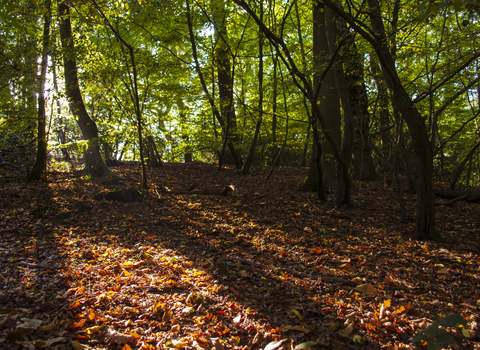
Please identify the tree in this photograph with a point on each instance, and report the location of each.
(41, 160)
(134, 91)
(251, 151)
(425, 223)
(94, 164)
(225, 77)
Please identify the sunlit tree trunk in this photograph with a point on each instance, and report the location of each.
(94, 164)
(41, 160)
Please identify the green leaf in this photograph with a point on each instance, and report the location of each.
(466, 333)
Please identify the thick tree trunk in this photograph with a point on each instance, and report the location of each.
(41, 160)
(221, 121)
(363, 167)
(328, 99)
(94, 164)
(225, 78)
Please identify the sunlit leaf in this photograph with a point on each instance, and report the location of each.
(366, 288)
(306, 345)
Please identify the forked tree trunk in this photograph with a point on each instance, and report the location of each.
(94, 164)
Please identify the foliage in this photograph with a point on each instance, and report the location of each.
(435, 333)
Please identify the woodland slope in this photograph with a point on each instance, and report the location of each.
(184, 266)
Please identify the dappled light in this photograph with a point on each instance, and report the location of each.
(263, 264)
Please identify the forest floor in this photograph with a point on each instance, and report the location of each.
(264, 267)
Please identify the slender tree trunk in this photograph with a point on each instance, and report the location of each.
(135, 98)
(94, 164)
(41, 161)
(384, 123)
(274, 106)
(462, 164)
(61, 130)
(251, 151)
(277, 158)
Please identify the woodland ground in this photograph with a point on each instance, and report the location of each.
(195, 270)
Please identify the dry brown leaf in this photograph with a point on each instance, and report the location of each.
(365, 288)
(120, 338)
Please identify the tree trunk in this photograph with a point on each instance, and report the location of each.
(328, 100)
(41, 160)
(225, 78)
(384, 123)
(462, 164)
(251, 151)
(94, 164)
(363, 167)
(135, 98)
(219, 118)
(61, 130)
(425, 222)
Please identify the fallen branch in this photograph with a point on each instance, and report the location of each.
(292, 272)
(472, 197)
(461, 198)
(223, 192)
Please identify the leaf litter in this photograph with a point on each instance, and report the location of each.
(262, 267)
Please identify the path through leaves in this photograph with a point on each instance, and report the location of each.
(264, 267)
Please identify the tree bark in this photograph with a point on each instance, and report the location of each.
(225, 78)
(219, 118)
(328, 100)
(94, 164)
(41, 160)
(363, 167)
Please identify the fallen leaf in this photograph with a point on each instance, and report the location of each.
(78, 346)
(365, 288)
(295, 328)
(306, 345)
(118, 337)
(346, 331)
